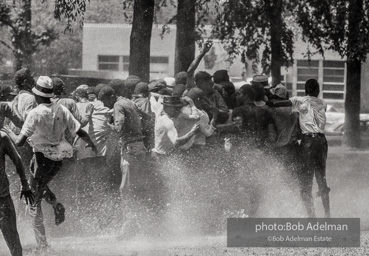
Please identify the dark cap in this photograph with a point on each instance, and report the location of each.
(260, 79)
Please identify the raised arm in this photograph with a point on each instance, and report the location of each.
(195, 63)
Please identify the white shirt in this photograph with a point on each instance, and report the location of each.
(163, 143)
(45, 127)
(311, 111)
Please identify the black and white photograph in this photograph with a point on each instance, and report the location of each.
(184, 127)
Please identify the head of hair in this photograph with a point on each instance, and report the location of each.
(142, 88)
(23, 79)
(248, 91)
(181, 78)
(58, 86)
(312, 87)
(201, 77)
(221, 76)
(129, 86)
(117, 85)
(98, 87)
(80, 93)
(105, 92)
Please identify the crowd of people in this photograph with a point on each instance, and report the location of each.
(142, 124)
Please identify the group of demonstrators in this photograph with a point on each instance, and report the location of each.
(143, 124)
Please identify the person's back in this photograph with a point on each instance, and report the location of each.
(46, 130)
(312, 113)
(126, 112)
(23, 103)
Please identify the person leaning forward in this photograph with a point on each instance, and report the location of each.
(44, 128)
(314, 146)
(166, 135)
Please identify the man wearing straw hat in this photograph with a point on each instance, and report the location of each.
(44, 128)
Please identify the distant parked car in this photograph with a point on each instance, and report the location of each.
(336, 120)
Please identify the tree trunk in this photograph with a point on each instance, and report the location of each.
(352, 136)
(276, 40)
(185, 35)
(139, 60)
(23, 43)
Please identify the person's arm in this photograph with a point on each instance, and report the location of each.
(10, 150)
(195, 63)
(11, 115)
(86, 138)
(84, 119)
(229, 128)
(179, 141)
(119, 118)
(28, 129)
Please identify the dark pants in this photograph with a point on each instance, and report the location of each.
(42, 172)
(314, 150)
(8, 226)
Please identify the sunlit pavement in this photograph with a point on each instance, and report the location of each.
(347, 175)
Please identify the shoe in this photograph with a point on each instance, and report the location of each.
(59, 211)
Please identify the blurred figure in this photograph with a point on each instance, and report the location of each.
(166, 134)
(212, 102)
(45, 127)
(70, 104)
(142, 101)
(129, 87)
(228, 90)
(8, 224)
(91, 94)
(262, 81)
(24, 102)
(5, 109)
(314, 146)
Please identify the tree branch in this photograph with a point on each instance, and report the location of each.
(6, 45)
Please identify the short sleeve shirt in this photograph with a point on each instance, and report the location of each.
(45, 127)
(311, 111)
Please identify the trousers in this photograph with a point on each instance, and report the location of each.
(314, 150)
(8, 226)
(43, 171)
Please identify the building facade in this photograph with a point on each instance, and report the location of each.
(106, 55)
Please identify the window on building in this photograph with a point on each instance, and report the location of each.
(108, 62)
(333, 80)
(125, 63)
(159, 64)
(306, 70)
